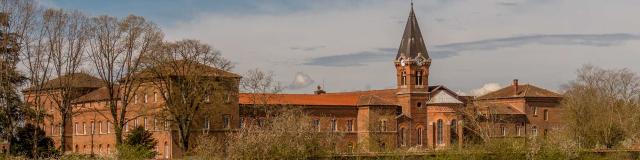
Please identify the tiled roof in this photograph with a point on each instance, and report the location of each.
(525, 90)
(183, 67)
(373, 100)
(96, 95)
(378, 97)
(77, 80)
(500, 108)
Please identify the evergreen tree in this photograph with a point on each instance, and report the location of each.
(141, 139)
(11, 106)
(22, 143)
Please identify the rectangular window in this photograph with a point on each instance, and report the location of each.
(207, 98)
(135, 99)
(59, 129)
(503, 130)
(146, 98)
(349, 125)
(109, 125)
(206, 125)
(126, 127)
(76, 129)
(53, 129)
(155, 124)
(226, 121)
(383, 125)
(100, 127)
(334, 125)
(519, 128)
(166, 125)
(535, 111)
(144, 121)
(155, 96)
(316, 124)
(241, 124)
(84, 128)
(546, 115)
(93, 127)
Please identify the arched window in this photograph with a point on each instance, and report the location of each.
(404, 78)
(77, 149)
(166, 150)
(402, 137)
(454, 132)
(439, 139)
(418, 77)
(420, 136)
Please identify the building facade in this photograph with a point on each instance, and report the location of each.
(415, 114)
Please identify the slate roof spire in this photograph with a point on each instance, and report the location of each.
(412, 43)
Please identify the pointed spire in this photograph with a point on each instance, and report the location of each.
(412, 43)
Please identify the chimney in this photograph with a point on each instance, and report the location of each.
(515, 86)
(319, 91)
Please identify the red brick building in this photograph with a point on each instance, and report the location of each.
(414, 114)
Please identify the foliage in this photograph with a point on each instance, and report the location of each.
(22, 143)
(140, 142)
(134, 152)
(602, 108)
(288, 135)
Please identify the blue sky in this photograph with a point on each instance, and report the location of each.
(350, 44)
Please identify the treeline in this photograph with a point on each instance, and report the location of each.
(40, 44)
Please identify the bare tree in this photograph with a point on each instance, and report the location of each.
(65, 37)
(194, 80)
(602, 107)
(116, 46)
(36, 61)
(262, 89)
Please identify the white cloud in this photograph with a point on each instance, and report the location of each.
(301, 81)
(267, 41)
(486, 88)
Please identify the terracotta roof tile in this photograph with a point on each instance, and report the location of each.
(500, 108)
(182, 67)
(77, 80)
(96, 95)
(525, 90)
(386, 96)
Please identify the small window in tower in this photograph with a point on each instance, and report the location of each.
(404, 78)
(418, 77)
(419, 105)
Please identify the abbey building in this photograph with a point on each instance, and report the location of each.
(414, 114)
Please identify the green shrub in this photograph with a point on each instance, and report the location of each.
(134, 152)
(22, 143)
(138, 144)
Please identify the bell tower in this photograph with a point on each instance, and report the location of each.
(412, 67)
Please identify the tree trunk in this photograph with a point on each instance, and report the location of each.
(118, 128)
(63, 127)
